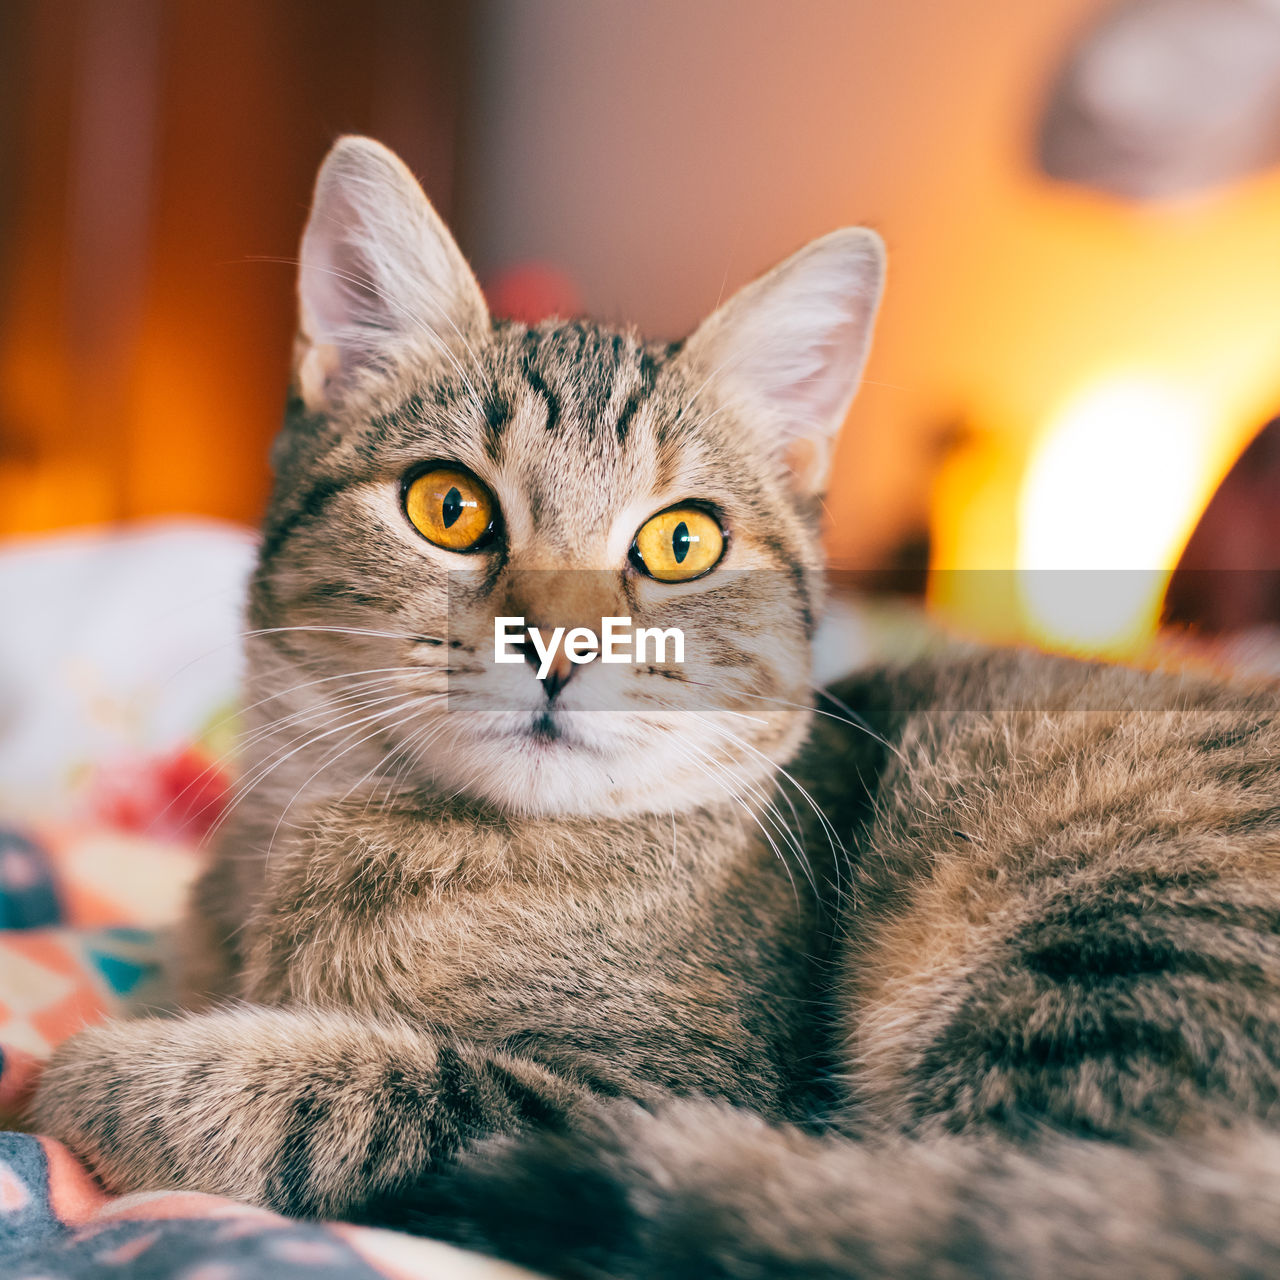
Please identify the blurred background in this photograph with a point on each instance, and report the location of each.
(1081, 201)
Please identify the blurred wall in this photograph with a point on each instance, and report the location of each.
(156, 161)
(664, 152)
(158, 156)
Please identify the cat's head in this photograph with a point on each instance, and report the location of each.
(439, 471)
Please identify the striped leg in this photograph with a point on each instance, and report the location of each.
(306, 1112)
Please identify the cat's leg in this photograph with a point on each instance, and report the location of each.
(309, 1113)
(206, 959)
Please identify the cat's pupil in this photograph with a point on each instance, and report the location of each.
(451, 508)
(681, 542)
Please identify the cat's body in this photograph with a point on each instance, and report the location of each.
(1057, 1008)
(1015, 897)
(480, 974)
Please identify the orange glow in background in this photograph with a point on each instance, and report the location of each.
(1096, 366)
(1105, 413)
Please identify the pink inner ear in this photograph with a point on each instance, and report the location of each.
(318, 368)
(339, 294)
(806, 459)
(815, 389)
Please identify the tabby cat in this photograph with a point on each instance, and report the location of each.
(652, 968)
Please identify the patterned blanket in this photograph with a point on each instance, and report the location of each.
(78, 942)
(55, 1222)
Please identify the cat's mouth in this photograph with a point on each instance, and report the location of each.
(545, 729)
(550, 733)
(541, 731)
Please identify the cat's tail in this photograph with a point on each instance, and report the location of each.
(701, 1190)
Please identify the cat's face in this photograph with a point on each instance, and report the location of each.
(440, 473)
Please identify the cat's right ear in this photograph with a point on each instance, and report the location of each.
(794, 343)
(380, 275)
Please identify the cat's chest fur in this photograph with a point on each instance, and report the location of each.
(506, 930)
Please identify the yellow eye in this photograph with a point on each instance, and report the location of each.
(679, 544)
(450, 507)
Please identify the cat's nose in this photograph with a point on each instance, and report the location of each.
(559, 673)
(559, 669)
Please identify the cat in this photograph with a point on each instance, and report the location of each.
(660, 968)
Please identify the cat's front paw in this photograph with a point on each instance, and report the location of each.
(145, 1112)
(274, 1107)
(93, 1097)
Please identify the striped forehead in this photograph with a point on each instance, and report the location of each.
(587, 382)
(571, 421)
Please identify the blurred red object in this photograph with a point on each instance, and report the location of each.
(178, 796)
(533, 291)
(1228, 579)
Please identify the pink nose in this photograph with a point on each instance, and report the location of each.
(560, 668)
(559, 672)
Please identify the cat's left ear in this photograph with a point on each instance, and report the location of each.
(794, 343)
(380, 276)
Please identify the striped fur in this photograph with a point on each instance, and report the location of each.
(700, 1192)
(1057, 1003)
(454, 969)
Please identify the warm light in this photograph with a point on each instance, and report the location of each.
(1111, 493)
(1111, 363)
(1105, 400)
(1067, 536)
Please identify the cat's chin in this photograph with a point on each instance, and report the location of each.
(574, 772)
